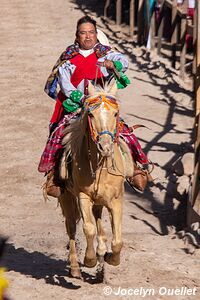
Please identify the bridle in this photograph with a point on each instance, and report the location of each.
(92, 104)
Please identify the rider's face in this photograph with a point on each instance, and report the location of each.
(86, 36)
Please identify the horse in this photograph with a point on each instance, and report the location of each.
(99, 164)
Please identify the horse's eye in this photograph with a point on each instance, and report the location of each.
(116, 114)
(90, 115)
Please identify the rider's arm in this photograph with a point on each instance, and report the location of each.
(116, 63)
(73, 96)
(116, 56)
(64, 79)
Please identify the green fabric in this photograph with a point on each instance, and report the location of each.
(70, 106)
(76, 96)
(118, 65)
(123, 81)
(74, 102)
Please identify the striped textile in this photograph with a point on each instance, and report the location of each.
(133, 144)
(53, 149)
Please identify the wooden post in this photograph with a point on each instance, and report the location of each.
(146, 20)
(193, 213)
(106, 8)
(160, 28)
(132, 17)
(174, 33)
(152, 31)
(183, 47)
(194, 67)
(118, 12)
(140, 21)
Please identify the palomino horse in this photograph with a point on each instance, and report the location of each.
(99, 167)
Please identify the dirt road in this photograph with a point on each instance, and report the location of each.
(33, 34)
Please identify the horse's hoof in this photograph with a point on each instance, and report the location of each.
(90, 263)
(100, 258)
(100, 273)
(75, 273)
(111, 259)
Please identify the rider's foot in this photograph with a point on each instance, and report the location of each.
(141, 177)
(51, 188)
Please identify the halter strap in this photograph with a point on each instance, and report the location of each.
(107, 132)
(92, 104)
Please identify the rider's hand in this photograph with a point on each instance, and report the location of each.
(109, 64)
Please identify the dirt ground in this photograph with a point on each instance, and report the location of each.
(154, 260)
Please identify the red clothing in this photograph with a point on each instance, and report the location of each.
(85, 69)
(58, 110)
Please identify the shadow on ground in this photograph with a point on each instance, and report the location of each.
(42, 266)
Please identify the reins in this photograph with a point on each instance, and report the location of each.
(96, 75)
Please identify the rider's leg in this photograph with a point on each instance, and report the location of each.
(141, 174)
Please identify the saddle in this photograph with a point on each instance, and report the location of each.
(127, 158)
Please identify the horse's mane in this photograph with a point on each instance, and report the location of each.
(74, 134)
(75, 131)
(105, 90)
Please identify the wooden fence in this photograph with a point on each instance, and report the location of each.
(151, 26)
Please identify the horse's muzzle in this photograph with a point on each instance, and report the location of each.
(105, 147)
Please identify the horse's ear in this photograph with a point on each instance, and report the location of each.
(113, 88)
(91, 89)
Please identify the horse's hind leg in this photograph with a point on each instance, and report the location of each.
(89, 229)
(116, 222)
(71, 214)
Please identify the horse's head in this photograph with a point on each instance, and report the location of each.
(103, 116)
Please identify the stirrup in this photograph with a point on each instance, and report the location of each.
(134, 188)
(53, 191)
(50, 188)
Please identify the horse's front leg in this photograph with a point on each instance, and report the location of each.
(101, 236)
(101, 243)
(116, 223)
(89, 229)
